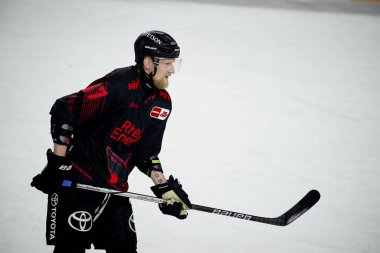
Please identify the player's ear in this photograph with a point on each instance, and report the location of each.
(148, 64)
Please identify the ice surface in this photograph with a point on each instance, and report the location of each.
(269, 104)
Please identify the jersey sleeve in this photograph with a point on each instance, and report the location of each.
(97, 99)
(150, 161)
(156, 144)
(160, 114)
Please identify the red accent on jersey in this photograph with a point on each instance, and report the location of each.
(70, 103)
(95, 91)
(118, 169)
(133, 105)
(76, 166)
(91, 101)
(165, 95)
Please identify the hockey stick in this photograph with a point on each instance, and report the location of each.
(310, 199)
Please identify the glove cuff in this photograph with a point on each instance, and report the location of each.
(58, 161)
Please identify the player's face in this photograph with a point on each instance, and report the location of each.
(165, 69)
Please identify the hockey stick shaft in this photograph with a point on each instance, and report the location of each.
(296, 211)
(71, 184)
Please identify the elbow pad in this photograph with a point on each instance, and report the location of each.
(148, 165)
(61, 132)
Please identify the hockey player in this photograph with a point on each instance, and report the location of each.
(100, 135)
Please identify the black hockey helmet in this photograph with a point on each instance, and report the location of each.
(156, 44)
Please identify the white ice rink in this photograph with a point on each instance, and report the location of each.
(270, 103)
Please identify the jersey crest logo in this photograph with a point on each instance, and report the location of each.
(159, 113)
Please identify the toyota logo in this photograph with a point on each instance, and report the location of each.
(80, 221)
(54, 199)
(131, 223)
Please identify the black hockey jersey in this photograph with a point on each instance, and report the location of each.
(119, 120)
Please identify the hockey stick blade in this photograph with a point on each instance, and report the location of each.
(307, 202)
(310, 199)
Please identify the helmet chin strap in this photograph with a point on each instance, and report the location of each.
(154, 71)
(151, 75)
(155, 64)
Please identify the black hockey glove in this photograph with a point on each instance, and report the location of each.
(177, 200)
(56, 169)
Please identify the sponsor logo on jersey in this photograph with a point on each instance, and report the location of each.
(134, 85)
(159, 113)
(127, 133)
